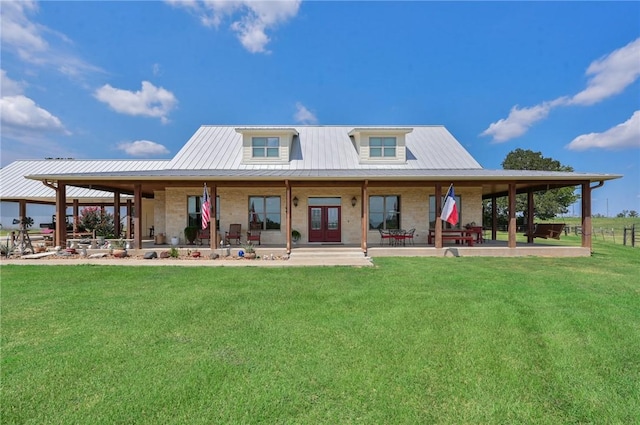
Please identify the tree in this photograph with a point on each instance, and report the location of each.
(547, 204)
(98, 220)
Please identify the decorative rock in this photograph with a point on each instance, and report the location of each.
(150, 255)
(119, 253)
(98, 255)
(165, 254)
(214, 256)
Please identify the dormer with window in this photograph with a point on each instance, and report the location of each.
(266, 145)
(380, 145)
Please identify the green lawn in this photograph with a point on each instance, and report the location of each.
(410, 341)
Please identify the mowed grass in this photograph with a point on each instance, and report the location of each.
(412, 340)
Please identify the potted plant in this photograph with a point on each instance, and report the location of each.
(249, 251)
(119, 248)
(190, 234)
(295, 235)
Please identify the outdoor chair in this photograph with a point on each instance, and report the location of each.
(253, 236)
(405, 236)
(385, 234)
(203, 234)
(234, 233)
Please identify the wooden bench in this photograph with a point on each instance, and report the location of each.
(461, 239)
(547, 230)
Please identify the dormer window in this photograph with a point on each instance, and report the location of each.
(265, 147)
(382, 147)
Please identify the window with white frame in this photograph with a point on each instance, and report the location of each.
(265, 147)
(382, 147)
(384, 212)
(264, 213)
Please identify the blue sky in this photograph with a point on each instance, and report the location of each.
(136, 79)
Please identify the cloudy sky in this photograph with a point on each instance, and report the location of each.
(136, 79)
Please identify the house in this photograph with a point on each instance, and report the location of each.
(334, 184)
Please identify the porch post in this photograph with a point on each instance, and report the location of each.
(61, 212)
(364, 210)
(128, 223)
(530, 212)
(22, 210)
(586, 215)
(494, 218)
(288, 214)
(438, 229)
(213, 228)
(137, 213)
(512, 215)
(116, 213)
(76, 213)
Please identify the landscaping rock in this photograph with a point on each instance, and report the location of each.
(165, 254)
(150, 255)
(98, 255)
(214, 256)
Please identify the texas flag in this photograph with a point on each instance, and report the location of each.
(450, 210)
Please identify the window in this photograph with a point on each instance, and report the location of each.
(384, 212)
(432, 213)
(264, 213)
(265, 147)
(194, 211)
(382, 147)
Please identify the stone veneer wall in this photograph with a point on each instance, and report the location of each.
(170, 210)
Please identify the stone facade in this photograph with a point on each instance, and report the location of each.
(171, 216)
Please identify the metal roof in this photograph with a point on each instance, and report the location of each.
(14, 185)
(321, 148)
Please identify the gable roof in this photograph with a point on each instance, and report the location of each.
(319, 148)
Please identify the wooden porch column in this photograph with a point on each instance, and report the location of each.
(213, 229)
(76, 213)
(438, 229)
(364, 211)
(61, 215)
(512, 215)
(127, 233)
(288, 214)
(116, 213)
(586, 215)
(494, 218)
(530, 212)
(137, 212)
(22, 210)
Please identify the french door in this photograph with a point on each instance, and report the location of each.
(324, 223)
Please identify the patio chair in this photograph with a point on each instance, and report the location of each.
(253, 236)
(203, 234)
(235, 231)
(385, 234)
(405, 236)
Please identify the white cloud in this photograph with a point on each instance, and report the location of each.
(611, 74)
(150, 101)
(8, 86)
(143, 148)
(303, 115)
(27, 39)
(20, 115)
(251, 19)
(625, 135)
(519, 121)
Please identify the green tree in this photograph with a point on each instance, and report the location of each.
(94, 218)
(547, 204)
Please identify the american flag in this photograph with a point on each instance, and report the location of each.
(206, 208)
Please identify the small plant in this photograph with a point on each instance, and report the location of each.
(119, 244)
(191, 233)
(295, 235)
(249, 248)
(173, 252)
(4, 249)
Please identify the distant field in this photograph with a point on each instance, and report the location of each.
(609, 229)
